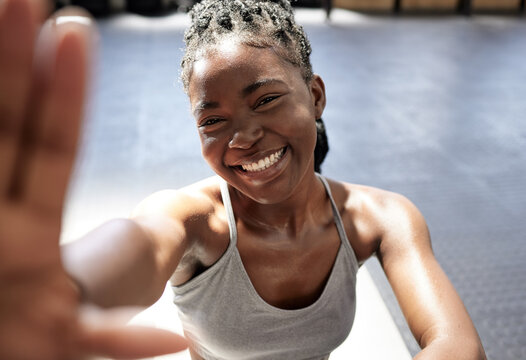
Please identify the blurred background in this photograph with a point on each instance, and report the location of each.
(465, 7)
(425, 97)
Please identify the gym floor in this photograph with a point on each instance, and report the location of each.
(431, 107)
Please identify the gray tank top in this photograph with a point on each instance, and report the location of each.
(225, 318)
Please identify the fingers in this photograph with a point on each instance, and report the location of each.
(49, 143)
(18, 27)
(103, 334)
(46, 137)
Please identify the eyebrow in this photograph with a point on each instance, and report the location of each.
(205, 105)
(256, 85)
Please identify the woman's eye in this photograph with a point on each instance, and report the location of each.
(267, 100)
(209, 122)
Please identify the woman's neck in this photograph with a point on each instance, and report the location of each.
(292, 216)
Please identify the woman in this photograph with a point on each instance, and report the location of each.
(262, 257)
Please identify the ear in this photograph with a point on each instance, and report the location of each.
(317, 89)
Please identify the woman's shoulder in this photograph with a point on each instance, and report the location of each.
(193, 216)
(366, 199)
(192, 201)
(371, 214)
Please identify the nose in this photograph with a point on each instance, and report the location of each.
(246, 135)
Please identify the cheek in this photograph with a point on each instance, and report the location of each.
(211, 150)
(305, 140)
(302, 126)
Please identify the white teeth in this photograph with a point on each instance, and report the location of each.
(264, 163)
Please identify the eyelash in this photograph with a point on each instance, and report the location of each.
(213, 121)
(210, 122)
(267, 99)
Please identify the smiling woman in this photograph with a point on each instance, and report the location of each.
(267, 110)
(263, 25)
(262, 258)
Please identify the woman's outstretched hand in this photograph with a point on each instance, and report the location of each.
(43, 77)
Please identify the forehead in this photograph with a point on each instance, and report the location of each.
(231, 63)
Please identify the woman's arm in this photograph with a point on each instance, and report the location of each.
(125, 262)
(434, 311)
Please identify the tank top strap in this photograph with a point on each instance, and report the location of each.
(227, 203)
(338, 221)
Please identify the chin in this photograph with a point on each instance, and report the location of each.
(272, 185)
(269, 193)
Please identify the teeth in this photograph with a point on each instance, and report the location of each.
(264, 163)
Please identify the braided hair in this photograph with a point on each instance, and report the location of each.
(257, 23)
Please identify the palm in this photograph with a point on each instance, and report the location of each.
(41, 98)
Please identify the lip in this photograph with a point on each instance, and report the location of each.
(267, 174)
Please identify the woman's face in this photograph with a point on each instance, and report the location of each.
(256, 119)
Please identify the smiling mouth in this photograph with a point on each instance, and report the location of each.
(263, 163)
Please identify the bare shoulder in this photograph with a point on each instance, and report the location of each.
(189, 222)
(183, 216)
(377, 218)
(190, 202)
